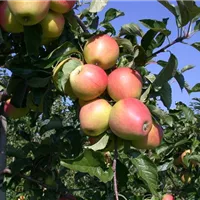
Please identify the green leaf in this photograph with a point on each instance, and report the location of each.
(91, 162)
(32, 38)
(166, 73)
(169, 6)
(147, 170)
(37, 82)
(139, 56)
(109, 28)
(186, 68)
(112, 14)
(125, 43)
(196, 88)
(166, 95)
(145, 95)
(195, 157)
(165, 166)
(101, 144)
(97, 5)
(183, 13)
(196, 45)
(180, 79)
(161, 114)
(155, 25)
(197, 26)
(131, 29)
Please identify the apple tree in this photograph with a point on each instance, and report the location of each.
(81, 115)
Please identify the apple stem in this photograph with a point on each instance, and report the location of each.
(3, 127)
(114, 169)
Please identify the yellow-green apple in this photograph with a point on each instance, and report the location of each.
(168, 197)
(101, 50)
(152, 140)
(13, 112)
(186, 177)
(130, 119)
(124, 82)
(29, 12)
(192, 162)
(94, 117)
(52, 25)
(8, 21)
(88, 81)
(62, 6)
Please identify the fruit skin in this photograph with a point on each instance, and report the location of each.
(186, 177)
(193, 162)
(13, 112)
(8, 21)
(124, 82)
(94, 117)
(168, 197)
(62, 6)
(88, 81)
(130, 119)
(29, 12)
(52, 25)
(152, 140)
(101, 50)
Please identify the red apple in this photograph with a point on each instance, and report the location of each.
(124, 82)
(8, 21)
(130, 119)
(13, 112)
(62, 6)
(88, 81)
(152, 140)
(94, 117)
(101, 50)
(168, 197)
(192, 162)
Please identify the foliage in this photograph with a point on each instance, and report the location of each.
(47, 152)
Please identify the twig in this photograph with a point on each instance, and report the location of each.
(82, 25)
(114, 169)
(179, 39)
(3, 128)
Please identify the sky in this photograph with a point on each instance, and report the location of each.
(137, 10)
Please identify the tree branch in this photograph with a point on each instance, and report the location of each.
(177, 40)
(82, 25)
(114, 169)
(3, 127)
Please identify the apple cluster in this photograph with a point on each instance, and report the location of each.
(14, 15)
(90, 82)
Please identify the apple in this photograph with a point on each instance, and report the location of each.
(13, 112)
(29, 12)
(152, 140)
(193, 162)
(8, 21)
(94, 117)
(62, 6)
(130, 119)
(124, 82)
(52, 25)
(168, 197)
(88, 81)
(186, 177)
(101, 50)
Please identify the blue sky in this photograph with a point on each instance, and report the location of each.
(136, 10)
